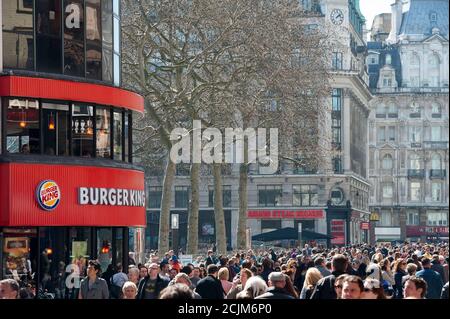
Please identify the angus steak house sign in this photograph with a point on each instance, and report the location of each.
(286, 214)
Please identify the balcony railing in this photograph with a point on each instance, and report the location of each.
(416, 145)
(413, 89)
(436, 144)
(416, 173)
(437, 173)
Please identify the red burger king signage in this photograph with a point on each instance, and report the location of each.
(48, 195)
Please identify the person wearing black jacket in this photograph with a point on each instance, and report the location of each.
(210, 287)
(325, 286)
(151, 286)
(277, 283)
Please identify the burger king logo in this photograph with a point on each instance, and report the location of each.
(48, 195)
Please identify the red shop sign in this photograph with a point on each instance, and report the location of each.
(415, 231)
(286, 214)
(364, 226)
(112, 197)
(337, 231)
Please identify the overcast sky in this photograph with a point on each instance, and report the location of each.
(370, 8)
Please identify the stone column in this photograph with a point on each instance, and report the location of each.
(402, 219)
(423, 221)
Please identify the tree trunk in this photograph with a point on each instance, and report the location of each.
(192, 237)
(166, 200)
(243, 200)
(221, 238)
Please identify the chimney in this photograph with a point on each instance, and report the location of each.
(396, 20)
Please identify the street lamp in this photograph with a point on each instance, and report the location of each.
(175, 226)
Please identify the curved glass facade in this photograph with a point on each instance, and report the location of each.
(79, 38)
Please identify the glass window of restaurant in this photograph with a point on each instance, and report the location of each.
(65, 129)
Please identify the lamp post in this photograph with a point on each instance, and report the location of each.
(175, 227)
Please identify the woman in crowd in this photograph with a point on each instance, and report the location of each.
(399, 270)
(239, 283)
(373, 290)
(254, 287)
(223, 277)
(129, 290)
(313, 275)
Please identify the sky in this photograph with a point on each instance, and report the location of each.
(370, 8)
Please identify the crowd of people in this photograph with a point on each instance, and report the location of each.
(406, 271)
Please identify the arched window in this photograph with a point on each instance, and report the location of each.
(393, 110)
(436, 162)
(414, 162)
(434, 70)
(387, 163)
(436, 110)
(381, 111)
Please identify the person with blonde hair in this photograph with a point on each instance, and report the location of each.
(312, 277)
(223, 275)
(129, 290)
(254, 287)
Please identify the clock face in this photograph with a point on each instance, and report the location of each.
(337, 16)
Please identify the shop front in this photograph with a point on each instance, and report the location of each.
(429, 233)
(54, 218)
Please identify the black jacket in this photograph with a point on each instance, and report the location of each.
(437, 267)
(161, 283)
(325, 287)
(210, 288)
(274, 293)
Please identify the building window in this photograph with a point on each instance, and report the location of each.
(93, 39)
(415, 189)
(436, 133)
(22, 126)
(74, 38)
(48, 36)
(437, 218)
(387, 162)
(181, 196)
(388, 192)
(337, 165)
(415, 134)
(103, 132)
(386, 218)
(381, 134)
(55, 129)
(412, 218)
(337, 99)
(372, 59)
(336, 132)
(387, 81)
(83, 130)
(337, 61)
(226, 196)
(433, 16)
(118, 136)
(414, 162)
(107, 40)
(18, 40)
(436, 163)
(305, 195)
(381, 111)
(436, 111)
(154, 197)
(269, 195)
(393, 111)
(391, 133)
(436, 191)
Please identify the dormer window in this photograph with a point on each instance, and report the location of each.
(433, 16)
(388, 59)
(387, 81)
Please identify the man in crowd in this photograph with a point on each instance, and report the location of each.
(277, 283)
(415, 288)
(325, 286)
(432, 278)
(352, 287)
(320, 264)
(210, 287)
(151, 286)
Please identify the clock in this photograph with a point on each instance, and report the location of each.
(337, 16)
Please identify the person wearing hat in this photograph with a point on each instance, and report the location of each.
(277, 284)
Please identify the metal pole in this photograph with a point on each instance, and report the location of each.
(300, 236)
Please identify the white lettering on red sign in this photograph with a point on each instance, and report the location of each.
(111, 197)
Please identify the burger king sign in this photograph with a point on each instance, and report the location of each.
(48, 195)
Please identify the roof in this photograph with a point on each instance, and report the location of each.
(374, 69)
(419, 19)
